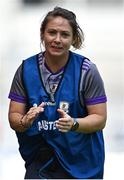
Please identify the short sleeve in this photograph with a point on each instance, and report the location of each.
(93, 86)
(17, 91)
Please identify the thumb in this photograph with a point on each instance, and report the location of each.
(62, 113)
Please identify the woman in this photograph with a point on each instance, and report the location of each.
(58, 105)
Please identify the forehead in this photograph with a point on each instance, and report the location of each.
(58, 22)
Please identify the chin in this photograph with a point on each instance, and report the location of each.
(55, 53)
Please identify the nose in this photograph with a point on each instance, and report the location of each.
(58, 38)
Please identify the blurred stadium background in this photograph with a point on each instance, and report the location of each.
(102, 23)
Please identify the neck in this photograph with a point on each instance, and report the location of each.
(56, 63)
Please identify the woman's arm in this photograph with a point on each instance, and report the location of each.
(19, 119)
(95, 120)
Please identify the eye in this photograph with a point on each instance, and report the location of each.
(52, 33)
(65, 34)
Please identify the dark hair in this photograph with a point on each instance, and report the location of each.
(78, 35)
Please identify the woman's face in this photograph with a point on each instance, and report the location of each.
(58, 36)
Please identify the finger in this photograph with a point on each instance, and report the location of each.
(65, 119)
(30, 111)
(39, 108)
(62, 113)
(42, 104)
(35, 110)
(62, 128)
(32, 114)
(61, 123)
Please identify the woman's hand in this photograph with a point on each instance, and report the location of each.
(30, 116)
(64, 124)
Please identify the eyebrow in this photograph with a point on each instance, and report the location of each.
(65, 31)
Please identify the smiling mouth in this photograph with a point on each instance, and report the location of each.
(56, 47)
